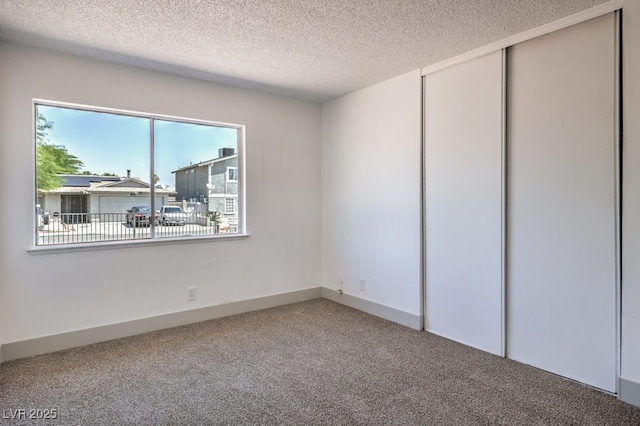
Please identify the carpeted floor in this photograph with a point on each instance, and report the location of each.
(315, 362)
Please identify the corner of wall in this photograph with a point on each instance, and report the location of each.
(371, 193)
(391, 314)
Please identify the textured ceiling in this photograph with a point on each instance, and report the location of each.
(313, 49)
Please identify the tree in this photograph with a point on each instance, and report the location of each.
(52, 159)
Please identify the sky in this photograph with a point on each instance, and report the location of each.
(110, 143)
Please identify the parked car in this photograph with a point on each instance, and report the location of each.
(140, 216)
(173, 215)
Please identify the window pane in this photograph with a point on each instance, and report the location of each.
(96, 181)
(192, 160)
(90, 168)
(232, 174)
(230, 206)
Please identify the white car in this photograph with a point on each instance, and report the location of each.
(173, 215)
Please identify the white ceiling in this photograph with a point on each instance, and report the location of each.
(310, 49)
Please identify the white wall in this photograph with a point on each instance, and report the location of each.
(371, 185)
(48, 294)
(631, 195)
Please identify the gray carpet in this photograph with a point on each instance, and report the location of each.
(315, 362)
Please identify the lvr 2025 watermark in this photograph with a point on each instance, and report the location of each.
(30, 413)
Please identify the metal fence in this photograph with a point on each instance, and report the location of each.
(72, 228)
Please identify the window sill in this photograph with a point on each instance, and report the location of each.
(80, 247)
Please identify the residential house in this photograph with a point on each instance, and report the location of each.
(213, 182)
(84, 198)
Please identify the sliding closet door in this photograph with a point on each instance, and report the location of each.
(463, 202)
(561, 304)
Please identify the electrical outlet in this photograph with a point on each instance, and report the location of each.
(362, 284)
(191, 294)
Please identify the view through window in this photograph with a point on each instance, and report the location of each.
(112, 176)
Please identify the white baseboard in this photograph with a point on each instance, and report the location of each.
(57, 342)
(395, 315)
(629, 391)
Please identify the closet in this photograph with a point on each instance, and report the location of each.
(521, 202)
(463, 189)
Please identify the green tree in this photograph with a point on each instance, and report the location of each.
(52, 159)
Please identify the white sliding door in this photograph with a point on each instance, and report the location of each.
(561, 305)
(463, 202)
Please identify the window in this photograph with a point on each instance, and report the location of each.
(232, 174)
(229, 206)
(105, 175)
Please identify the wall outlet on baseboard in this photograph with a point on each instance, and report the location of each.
(362, 285)
(191, 294)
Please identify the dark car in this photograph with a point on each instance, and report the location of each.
(140, 216)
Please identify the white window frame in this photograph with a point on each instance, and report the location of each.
(229, 169)
(234, 205)
(71, 247)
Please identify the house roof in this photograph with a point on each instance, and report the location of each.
(124, 183)
(86, 184)
(206, 163)
(85, 181)
(315, 49)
